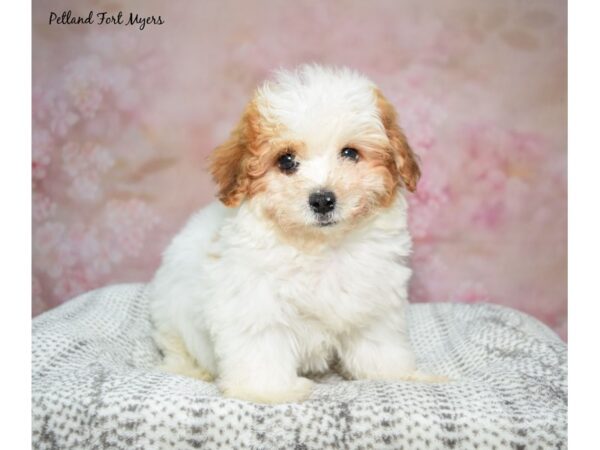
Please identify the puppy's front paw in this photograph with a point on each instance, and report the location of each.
(404, 375)
(297, 391)
(423, 377)
(186, 370)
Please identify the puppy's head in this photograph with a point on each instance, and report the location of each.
(318, 150)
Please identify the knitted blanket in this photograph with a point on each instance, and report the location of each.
(95, 385)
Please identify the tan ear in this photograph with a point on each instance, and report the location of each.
(404, 157)
(229, 160)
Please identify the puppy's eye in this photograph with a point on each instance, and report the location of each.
(349, 153)
(287, 163)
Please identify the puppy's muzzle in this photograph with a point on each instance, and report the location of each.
(322, 202)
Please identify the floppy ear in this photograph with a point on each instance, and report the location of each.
(229, 160)
(404, 158)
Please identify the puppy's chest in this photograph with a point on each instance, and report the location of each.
(342, 288)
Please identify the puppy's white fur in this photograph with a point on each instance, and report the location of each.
(258, 294)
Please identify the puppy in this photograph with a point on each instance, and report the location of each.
(304, 260)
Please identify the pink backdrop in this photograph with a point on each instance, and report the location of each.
(123, 120)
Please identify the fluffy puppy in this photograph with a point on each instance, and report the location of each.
(304, 260)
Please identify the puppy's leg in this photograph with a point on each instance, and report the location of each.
(177, 358)
(260, 367)
(382, 352)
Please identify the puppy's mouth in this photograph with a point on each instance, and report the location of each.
(328, 223)
(325, 220)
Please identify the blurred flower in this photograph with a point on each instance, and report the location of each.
(86, 188)
(129, 224)
(43, 207)
(52, 248)
(83, 82)
(85, 164)
(62, 118)
(47, 236)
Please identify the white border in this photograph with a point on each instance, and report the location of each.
(584, 222)
(15, 234)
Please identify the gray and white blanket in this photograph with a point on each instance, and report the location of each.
(95, 385)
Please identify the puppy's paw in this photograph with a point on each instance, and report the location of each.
(413, 375)
(189, 370)
(299, 390)
(423, 377)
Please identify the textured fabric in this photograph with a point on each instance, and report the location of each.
(95, 385)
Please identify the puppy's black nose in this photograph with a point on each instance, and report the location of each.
(322, 202)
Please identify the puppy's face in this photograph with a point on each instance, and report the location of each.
(316, 151)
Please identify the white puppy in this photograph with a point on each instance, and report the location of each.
(305, 260)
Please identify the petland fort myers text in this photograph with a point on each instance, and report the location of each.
(105, 18)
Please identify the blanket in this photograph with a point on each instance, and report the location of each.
(95, 385)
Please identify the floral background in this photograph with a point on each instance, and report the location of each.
(124, 118)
